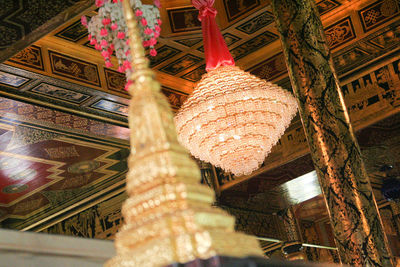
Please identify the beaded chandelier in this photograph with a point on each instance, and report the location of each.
(232, 119)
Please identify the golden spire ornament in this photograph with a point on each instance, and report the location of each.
(232, 119)
(168, 215)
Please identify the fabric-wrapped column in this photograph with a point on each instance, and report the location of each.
(292, 248)
(353, 212)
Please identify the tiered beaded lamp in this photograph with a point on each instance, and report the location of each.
(233, 118)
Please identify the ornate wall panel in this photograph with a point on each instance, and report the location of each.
(100, 221)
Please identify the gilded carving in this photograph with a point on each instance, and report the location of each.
(340, 33)
(115, 81)
(175, 98)
(74, 68)
(30, 57)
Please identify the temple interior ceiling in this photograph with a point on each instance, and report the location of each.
(57, 89)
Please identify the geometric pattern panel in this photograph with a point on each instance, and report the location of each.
(181, 64)
(175, 98)
(253, 45)
(229, 38)
(33, 113)
(163, 53)
(18, 18)
(111, 106)
(50, 92)
(271, 68)
(378, 12)
(369, 48)
(189, 42)
(44, 171)
(195, 75)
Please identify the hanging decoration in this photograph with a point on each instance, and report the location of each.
(232, 119)
(108, 31)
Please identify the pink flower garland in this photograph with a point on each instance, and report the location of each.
(108, 31)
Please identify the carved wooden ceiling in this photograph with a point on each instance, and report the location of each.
(64, 76)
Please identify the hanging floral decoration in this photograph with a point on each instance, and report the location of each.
(108, 31)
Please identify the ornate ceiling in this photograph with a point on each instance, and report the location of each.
(48, 169)
(60, 82)
(24, 21)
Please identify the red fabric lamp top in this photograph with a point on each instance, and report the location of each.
(215, 48)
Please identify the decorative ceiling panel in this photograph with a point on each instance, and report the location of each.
(235, 9)
(257, 23)
(47, 168)
(378, 13)
(181, 64)
(30, 57)
(73, 32)
(325, 6)
(184, 19)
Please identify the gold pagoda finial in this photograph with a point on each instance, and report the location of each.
(168, 215)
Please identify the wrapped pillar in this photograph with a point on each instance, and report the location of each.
(353, 212)
(292, 247)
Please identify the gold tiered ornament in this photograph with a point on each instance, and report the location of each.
(168, 216)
